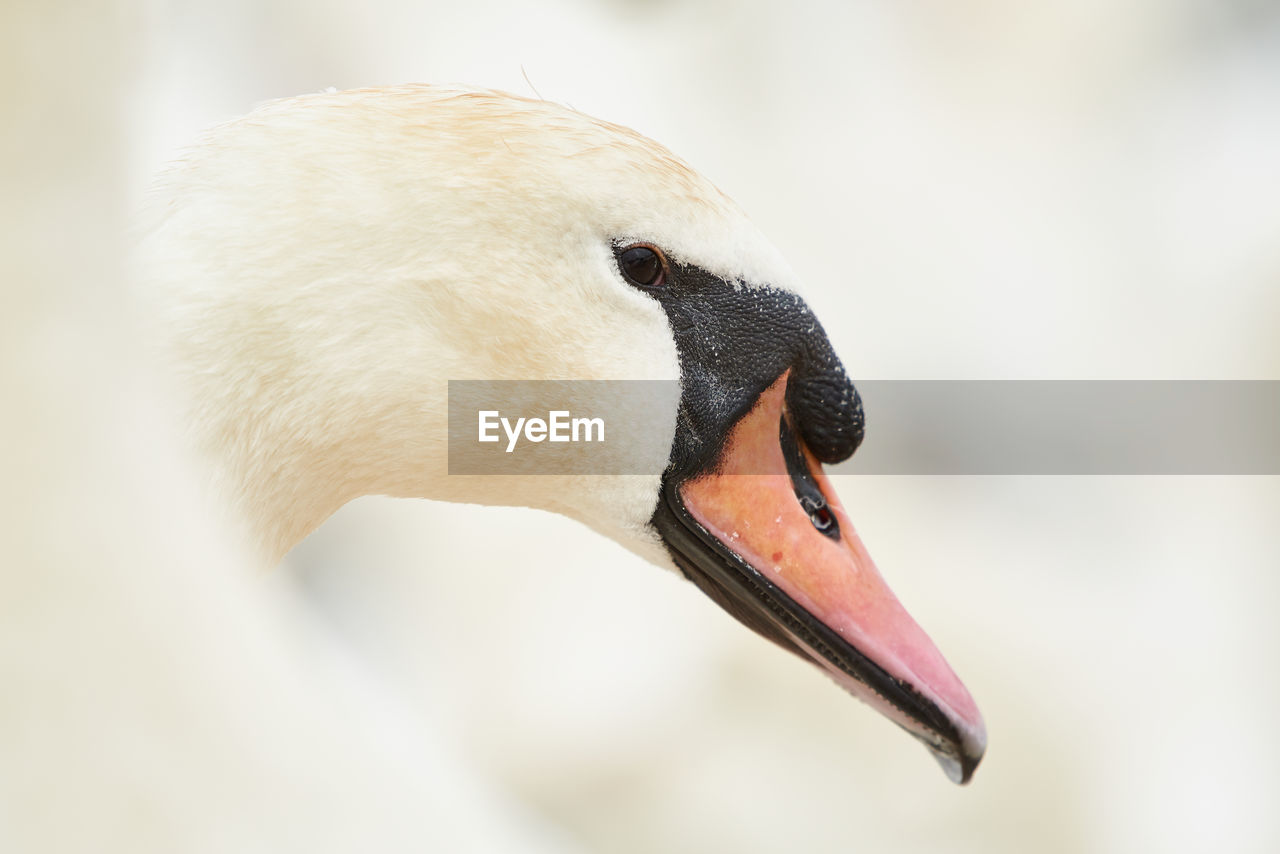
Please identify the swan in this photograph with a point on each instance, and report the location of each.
(321, 268)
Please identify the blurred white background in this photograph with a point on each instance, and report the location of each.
(970, 189)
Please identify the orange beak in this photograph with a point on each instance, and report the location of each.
(765, 535)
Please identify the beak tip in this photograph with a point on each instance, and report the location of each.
(958, 770)
(960, 763)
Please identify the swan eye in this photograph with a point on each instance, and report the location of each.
(643, 265)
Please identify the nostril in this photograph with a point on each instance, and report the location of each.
(811, 499)
(819, 514)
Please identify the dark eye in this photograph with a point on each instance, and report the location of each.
(643, 265)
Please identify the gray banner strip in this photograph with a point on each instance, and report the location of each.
(1009, 427)
(997, 427)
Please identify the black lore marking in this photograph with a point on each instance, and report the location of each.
(734, 340)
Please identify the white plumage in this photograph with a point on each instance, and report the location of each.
(323, 266)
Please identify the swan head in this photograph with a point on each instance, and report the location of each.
(323, 267)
